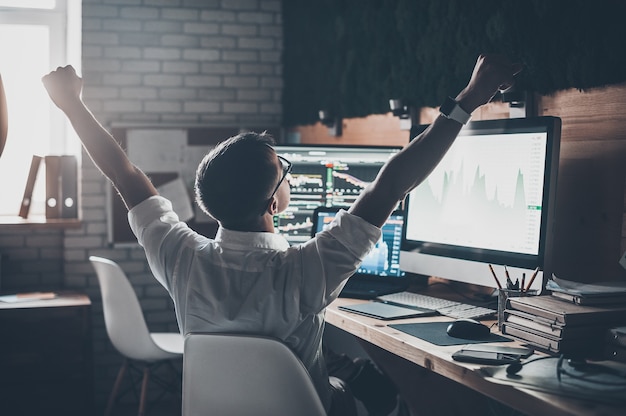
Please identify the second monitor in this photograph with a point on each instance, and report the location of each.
(325, 176)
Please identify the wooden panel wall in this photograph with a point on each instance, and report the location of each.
(591, 220)
(590, 226)
(377, 130)
(383, 129)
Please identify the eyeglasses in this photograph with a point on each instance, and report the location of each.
(286, 165)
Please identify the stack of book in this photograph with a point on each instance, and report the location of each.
(552, 324)
(605, 293)
(616, 344)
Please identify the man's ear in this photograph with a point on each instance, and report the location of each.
(273, 206)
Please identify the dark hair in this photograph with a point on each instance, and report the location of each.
(234, 180)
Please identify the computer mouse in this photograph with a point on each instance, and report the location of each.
(468, 329)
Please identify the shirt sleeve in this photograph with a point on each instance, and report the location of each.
(162, 235)
(333, 256)
(356, 234)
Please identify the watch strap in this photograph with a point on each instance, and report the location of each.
(452, 110)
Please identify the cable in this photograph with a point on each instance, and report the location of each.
(517, 366)
(591, 369)
(579, 365)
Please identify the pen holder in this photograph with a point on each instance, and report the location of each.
(504, 295)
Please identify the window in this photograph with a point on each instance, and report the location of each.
(36, 36)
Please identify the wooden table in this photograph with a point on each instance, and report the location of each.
(412, 355)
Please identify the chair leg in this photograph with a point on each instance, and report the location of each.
(116, 387)
(144, 390)
(177, 385)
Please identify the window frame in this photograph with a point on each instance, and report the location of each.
(64, 21)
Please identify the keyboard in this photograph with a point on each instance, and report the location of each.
(452, 309)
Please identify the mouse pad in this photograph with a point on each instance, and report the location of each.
(435, 333)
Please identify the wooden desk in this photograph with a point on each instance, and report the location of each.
(438, 360)
(46, 365)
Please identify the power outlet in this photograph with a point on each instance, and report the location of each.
(622, 261)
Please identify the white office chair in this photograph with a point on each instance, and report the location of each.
(125, 324)
(241, 375)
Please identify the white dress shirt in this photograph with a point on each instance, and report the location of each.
(253, 283)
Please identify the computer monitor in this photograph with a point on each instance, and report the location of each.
(384, 259)
(325, 176)
(491, 200)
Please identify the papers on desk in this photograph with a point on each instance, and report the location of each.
(603, 293)
(27, 297)
(601, 382)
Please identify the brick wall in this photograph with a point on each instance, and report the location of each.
(209, 62)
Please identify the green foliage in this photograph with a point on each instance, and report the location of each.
(352, 56)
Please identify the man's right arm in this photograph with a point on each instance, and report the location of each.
(64, 88)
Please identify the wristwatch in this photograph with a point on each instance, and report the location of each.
(451, 109)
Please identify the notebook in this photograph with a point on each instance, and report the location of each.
(380, 272)
(386, 311)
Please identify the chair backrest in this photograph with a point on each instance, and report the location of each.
(240, 375)
(123, 317)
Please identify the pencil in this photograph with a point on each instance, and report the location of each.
(495, 277)
(532, 279)
(523, 280)
(509, 282)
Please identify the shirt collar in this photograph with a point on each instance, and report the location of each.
(252, 239)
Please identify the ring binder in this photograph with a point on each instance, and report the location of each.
(69, 186)
(53, 179)
(61, 186)
(30, 185)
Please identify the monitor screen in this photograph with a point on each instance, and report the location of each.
(490, 200)
(325, 176)
(384, 259)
